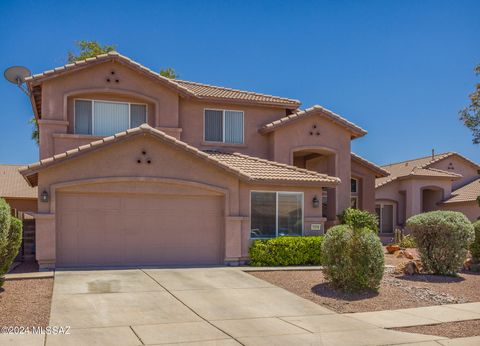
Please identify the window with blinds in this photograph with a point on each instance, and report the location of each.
(105, 118)
(223, 126)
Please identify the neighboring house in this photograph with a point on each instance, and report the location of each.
(22, 199)
(137, 168)
(447, 181)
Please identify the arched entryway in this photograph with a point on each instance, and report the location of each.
(322, 160)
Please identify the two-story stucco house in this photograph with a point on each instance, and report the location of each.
(138, 169)
(447, 181)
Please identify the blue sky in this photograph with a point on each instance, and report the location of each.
(400, 69)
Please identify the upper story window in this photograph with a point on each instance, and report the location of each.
(105, 118)
(223, 126)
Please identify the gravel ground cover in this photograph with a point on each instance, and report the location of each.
(396, 291)
(25, 302)
(449, 330)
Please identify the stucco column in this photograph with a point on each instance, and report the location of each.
(233, 239)
(46, 128)
(45, 241)
(413, 201)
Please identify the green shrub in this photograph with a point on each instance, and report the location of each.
(358, 219)
(353, 260)
(5, 221)
(442, 238)
(475, 247)
(286, 251)
(13, 244)
(408, 241)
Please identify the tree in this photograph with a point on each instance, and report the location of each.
(35, 133)
(470, 115)
(169, 73)
(89, 49)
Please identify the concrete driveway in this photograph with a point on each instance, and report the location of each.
(201, 306)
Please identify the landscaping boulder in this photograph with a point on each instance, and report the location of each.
(411, 268)
(391, 249)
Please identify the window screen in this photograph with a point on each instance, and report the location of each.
(233, 127)
(264, 223)
(138, 115)
(213, 125)
(83, 117)
(109, 118)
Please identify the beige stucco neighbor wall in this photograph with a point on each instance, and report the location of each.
(179, 170)
(407, 194)
(468, 172)
(470, 209)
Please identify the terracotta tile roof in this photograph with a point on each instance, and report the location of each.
(420, 167)
(466, 193)
(210, 91)
(355, 130)
(186, 88)
(264, 170)
(12, 183)
(379, 171)
(247, 168)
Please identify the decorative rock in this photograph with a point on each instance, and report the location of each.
(407, 254)
(411, 268)
(467, 264)
(392, 248)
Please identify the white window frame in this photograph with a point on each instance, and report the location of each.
(223, 125)
(106, 101)
(276, 211)
(380, 218)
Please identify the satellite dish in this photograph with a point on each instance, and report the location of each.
(16, 74)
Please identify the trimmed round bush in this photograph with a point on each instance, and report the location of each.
(353, 260)
(442, 238)
(357, 219)
(286, 251)
(475, 247)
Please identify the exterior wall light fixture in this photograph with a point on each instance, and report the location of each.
(315, 202)
(44, 196)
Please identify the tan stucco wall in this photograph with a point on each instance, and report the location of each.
(192, 123)
(366, 180)
(470, 209)
(23, 204)
(333, 138)
(57, 94)
(180, 170)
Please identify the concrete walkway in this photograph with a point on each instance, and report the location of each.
(420, 316)
(202, 306)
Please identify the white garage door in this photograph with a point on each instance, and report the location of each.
(127, 229)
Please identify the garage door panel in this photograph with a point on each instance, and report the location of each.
(129, 229)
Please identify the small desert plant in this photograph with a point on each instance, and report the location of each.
(408, 241)
(397, 236)
(358, 219)
(353, 259)
(475, 247)
(286, 251)
(442, 238)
